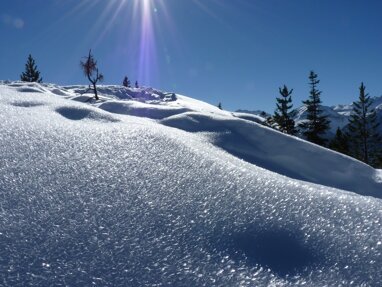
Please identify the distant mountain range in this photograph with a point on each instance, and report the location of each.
(338, 115)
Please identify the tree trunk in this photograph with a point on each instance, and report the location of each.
(95, 92)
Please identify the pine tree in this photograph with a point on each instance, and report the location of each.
(263, 114)
(283, 116)
(317, 124)
(270, 122)
(31, 73)
(340, 142)
(136, 84)
(126, 82)
(365, 140)
(220, 105)
(89, 67)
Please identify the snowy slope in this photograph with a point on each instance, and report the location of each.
(235, 133)
(90, 197)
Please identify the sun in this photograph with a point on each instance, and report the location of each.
(140, 25)
(140, 14)
(134, 21)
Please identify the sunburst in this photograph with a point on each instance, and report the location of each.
(139, 25)
(139, 20)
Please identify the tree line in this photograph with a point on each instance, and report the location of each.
(359, 139)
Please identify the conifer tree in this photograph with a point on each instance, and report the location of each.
(340, 142)
(136, 84)
(126, 82)
(89, 67)
(283, 116)
(270, 122)
(263, 114)
(316, 124)
(365, 141)
(220, 105)
(31, 73)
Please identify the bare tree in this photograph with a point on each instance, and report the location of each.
(89, 67)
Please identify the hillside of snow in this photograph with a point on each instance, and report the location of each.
(145, 188)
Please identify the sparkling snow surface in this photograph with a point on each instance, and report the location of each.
(92, 198)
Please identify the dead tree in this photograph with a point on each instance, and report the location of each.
(89, 67)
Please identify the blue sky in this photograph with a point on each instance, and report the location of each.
(235, 52)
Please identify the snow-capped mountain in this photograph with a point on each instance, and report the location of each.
(338, 115)
(146, 188)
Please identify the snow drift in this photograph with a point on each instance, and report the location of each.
(90, 197)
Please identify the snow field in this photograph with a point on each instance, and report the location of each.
(89, 197)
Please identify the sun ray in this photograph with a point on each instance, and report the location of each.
(141, 27)
(147, 57)
(109, 19)
(137, 18)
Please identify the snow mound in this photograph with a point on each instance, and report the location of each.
(30, 90)
(79, 113)
(379, 175)
(139, 109)
(137, 203)
(59, 92)
(250, 117)
(123, 93)
(27, 104)
(280, 153)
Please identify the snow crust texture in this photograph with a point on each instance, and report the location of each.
(283, 154)
(92, 198)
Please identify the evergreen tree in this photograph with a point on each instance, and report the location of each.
(365, 140)
(220, 105)
(126, 82)
(263, 114)
(340, 142)
(378, 162)
(316, 124)
(89, 67)
(283, 115)
(136, 84)
(270, 122)
(31, 73)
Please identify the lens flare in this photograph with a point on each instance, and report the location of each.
(132, 32)
(147, 47)
(132, 23)
(141, 23)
